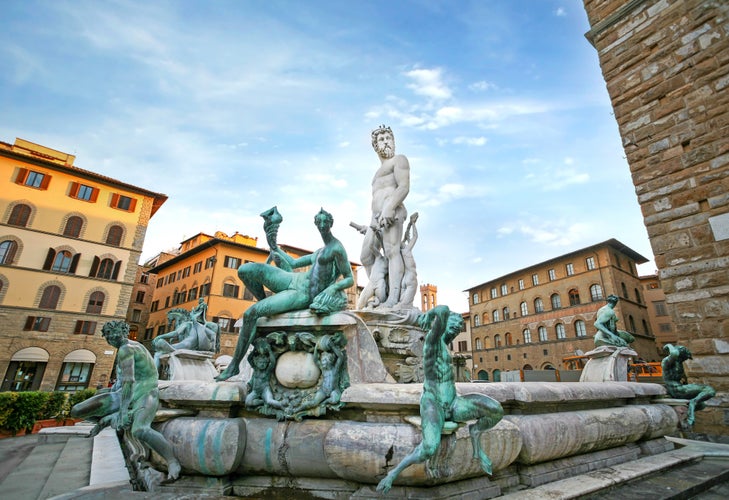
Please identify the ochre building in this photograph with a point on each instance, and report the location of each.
(70, 240)
(533, 318)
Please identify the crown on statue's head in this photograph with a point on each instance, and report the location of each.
(381, 130)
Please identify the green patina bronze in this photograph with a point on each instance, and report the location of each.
(440, 406)
(677, 384)
(607, 329)
(191, 331)
(319, 288)
(132, 402)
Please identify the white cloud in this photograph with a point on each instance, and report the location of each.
(482, 86)
(560, 12)
(428, 82)
(470, 141)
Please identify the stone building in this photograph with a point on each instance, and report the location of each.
(666, 67)
(70, 240)
(532, 318)
(206, 267)
(658, 317)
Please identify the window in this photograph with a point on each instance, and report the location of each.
(637, 296)
(144, 278)
(123, 202)
(154, 306)
(507, 338)
(83, 192)
(660, 307)
(62, 262)
(475, 298)
(595, 293)
(37, 323)
(559, 329)
(230, 290)
(85, 327)
(192, 294)
(476, 320)
(205, 290)
(664, 327)
(535, 279)
(140, 297)
(33, 179)
(631, 322)
(580, 329)
(495, 315)
(552, 275)
(96, 303)
(570, 269)
(160, 282)
(186, 272)
(590, 262)
(494, 293)
(523, 308)
(73, 226)
(7, 251)
(624, 289)
(226, 324)
(179, 274)
(506, 313)
(574, 297)
(209, 262)
(556, 301)
(167, 302)
(136, 315)
(74, 377)
(114, 237)
(542, 333)
(104, 269)
(231, 262)
(247, 295)
(19, 215)
(479, 345)
(462, 345)
(521, 284)
(197, 267)
(49, 299)
(148, 333)
(617, 261)
(497, 340)
(538, 305)
(504, 289)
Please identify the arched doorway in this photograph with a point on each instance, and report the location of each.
(497, 375)
(76, 371)
(25, 371)
(483, 375)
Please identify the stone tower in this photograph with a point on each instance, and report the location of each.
(666, 66)
(428, 297)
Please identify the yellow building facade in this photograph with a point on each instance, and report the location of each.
(534, 317)
(70, 240)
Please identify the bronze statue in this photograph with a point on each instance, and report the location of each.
(316, 288)
(191, 331)
(440, 402)
(677, 384)
(607, 329)
(132, 402)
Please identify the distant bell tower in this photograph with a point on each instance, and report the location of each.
(428, 297)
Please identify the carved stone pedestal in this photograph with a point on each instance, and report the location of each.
(184, 364)
(607, 363)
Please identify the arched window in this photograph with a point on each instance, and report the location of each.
(507, 338)
(476, 320)
(20, 215)
(485, 318)
(595, 292)
(527, 336)
(559, 329)
(115, 236)
(556, 301)
(497, 340)
(62, 262)
(524, 309)
(7, 251)
(580, 329)
(73, 226)
(637, 296)
(646, 330)
(506, 313)
(479, 345)
(49, 299)
(96, 302)
(538, 305)
(106, 269)
(495, 315)
(542, 333)
(632, 323)
(574, 297)
(625, 290)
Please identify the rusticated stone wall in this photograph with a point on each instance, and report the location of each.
(666, 66)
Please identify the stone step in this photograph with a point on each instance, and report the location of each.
(29, 477)
(71, 469)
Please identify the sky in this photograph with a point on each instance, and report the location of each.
(230, 107)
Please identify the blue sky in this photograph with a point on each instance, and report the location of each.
(231, 107)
